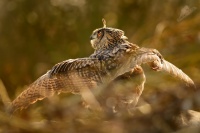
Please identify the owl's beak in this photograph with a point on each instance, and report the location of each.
(92, 37)
(124, 37)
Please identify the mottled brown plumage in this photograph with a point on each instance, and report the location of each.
(113, 57)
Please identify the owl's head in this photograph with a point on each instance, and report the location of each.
(106, 37)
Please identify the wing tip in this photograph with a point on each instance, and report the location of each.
(178, 73)
(10, 109)
(192, 85)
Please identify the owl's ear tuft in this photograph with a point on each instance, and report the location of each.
(104, 23)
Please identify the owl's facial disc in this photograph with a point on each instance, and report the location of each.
(96, 38)
(104, 37)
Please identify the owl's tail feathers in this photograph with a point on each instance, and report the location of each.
(178, 73)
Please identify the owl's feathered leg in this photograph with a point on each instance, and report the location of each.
(137, 79)
(140, 79)
(124, 92)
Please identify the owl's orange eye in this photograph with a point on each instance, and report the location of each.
(99, 34)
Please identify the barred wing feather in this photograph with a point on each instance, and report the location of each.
(67, 76)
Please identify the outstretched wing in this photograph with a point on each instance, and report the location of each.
(67, 76)
(145, 55)
(76, 72)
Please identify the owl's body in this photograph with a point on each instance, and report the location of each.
(113, 57)
(76, 74)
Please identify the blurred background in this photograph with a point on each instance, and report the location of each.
(35, 35)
